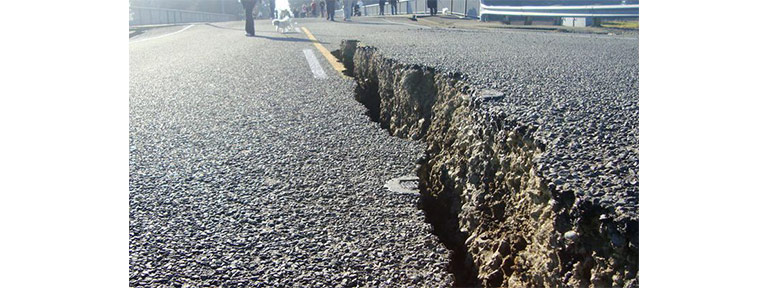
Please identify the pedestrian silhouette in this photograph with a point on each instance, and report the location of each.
(248, 6)
(272, 9)
(432, 4)
(381, 6)
(331, 4)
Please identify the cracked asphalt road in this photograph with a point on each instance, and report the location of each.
(245, 170)
(580, 92)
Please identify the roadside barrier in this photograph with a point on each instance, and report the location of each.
(478, 10)
(464, 8)
(156, 16)
(606, 11)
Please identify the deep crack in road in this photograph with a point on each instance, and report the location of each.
(249, 169)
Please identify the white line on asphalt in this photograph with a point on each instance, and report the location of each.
(407, 24)
(314, 64)
(164, 35)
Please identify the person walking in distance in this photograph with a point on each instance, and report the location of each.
(360, 6)
(331, 9)
(393, 3)
(381, 6)
(432, 4)
(248, 6)
(347, 9)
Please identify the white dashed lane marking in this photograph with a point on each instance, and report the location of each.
(317, 70)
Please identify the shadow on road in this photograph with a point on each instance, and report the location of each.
(286, 39)
(221, 27)
(368, 23)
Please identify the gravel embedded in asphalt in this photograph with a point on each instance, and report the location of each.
(247, 171)
(580, 90)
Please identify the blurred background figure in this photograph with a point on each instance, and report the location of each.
(248, 6)
(381, 6)
(358, 6)
(331, 4)
(432, 4)
(322, 8)
(283, 21)
(283, 5)
(272, 9)
(393, 3)
(347, 9)
(313, 8)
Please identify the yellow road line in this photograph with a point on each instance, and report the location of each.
(327, 54)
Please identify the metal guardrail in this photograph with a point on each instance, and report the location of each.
(476, 9)
(155, 16)
(612, 11)
(465, 8)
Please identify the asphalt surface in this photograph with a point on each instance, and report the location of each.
(581, 91)
(245, 170)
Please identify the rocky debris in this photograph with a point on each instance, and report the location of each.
(581, 93)
(489, 172)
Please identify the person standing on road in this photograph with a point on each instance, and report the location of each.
(272, 9)
(432, 4)
(381, 7)
(313, 6)
(322, 8)
(360, 6)
(347, 9)
(248, 6)
(393, 3)
(331, 9)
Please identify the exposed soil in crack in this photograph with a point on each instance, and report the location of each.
(446, 227)
(437, 211)
(504, 224)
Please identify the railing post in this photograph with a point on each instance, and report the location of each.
(465, 8)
